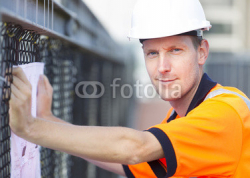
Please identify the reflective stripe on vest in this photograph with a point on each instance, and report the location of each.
(222, 91)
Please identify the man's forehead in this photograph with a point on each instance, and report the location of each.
(168, 41)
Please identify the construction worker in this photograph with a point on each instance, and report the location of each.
(206, 132)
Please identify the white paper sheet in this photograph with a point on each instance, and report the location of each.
(25, 156)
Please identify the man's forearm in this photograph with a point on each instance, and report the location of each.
(107, 144)
(54, 119)
(112, 167)
(104, 144)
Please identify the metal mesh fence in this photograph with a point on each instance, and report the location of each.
(64, 66)
(61, 72)
(18, 46)
(104, 111)
(7, 50)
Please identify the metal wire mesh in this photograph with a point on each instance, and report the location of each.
(18, 46)
(61, 72)
(104, 111)
(7, 50)
(64, 66)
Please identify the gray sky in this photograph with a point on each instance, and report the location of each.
(115, 15)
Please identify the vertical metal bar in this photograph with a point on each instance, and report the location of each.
(52, 19)
(25, 9)
(1, 73)
(36, 10)
(44, 14)
(17, 5)
(48, 15)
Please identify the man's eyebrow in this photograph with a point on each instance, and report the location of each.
(166, 48)
(176, 46)
(149, 50)
(170, 47)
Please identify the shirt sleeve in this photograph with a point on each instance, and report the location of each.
(207, 142)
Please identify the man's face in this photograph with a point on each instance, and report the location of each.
(174, 66)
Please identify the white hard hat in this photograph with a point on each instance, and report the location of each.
(162, 18)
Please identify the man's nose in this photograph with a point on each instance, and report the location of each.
(164, 64)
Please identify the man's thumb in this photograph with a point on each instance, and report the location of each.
(40, 85)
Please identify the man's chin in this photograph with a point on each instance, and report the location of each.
(168, 98)
(171, 95)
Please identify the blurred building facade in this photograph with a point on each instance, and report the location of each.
(231, 24)
(229, 39)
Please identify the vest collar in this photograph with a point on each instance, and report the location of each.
(206, 84)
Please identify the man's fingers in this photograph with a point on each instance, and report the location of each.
(13, 98)
(47, 84)
(16, 92)
(18, 72)
(41, 86)
(44, 86)
(25, 87)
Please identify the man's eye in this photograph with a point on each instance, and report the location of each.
(176, 50)
(152, 53)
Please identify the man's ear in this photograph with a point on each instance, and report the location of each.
(203, 50)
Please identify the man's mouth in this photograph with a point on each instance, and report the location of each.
(166, 80)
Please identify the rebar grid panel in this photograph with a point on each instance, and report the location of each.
(61, 73)
(18, 46)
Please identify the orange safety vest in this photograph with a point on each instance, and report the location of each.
(211, 141)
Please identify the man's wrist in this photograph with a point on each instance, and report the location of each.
(34, 129)
(47, 116)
